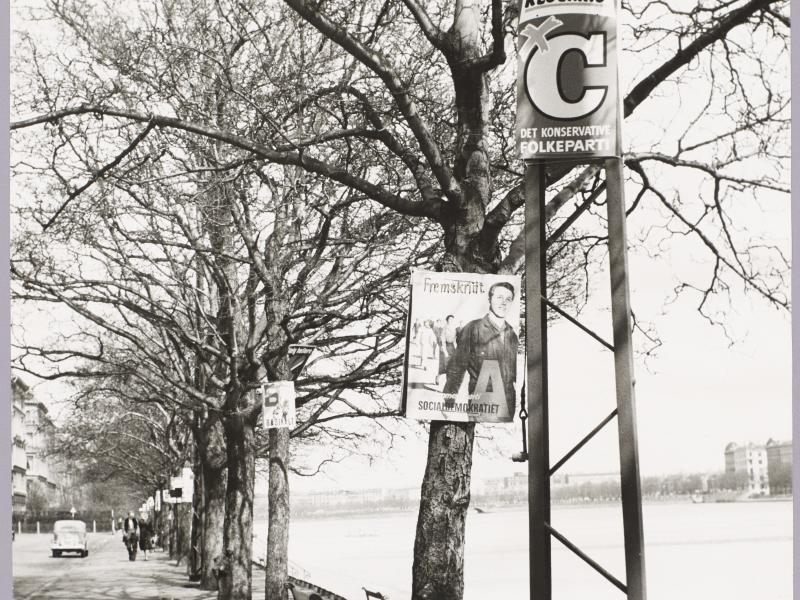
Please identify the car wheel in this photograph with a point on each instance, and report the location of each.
(56, 553)
(86, 553)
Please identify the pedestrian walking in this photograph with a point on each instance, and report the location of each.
(145, 536)
(130, 535)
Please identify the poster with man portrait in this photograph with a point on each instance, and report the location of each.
(462, 342)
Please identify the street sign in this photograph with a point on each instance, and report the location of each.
(299, 355)
(567, 82)
(181, 487)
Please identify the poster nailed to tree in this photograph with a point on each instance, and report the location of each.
(278, 404)
(461, 347)
(567, 82)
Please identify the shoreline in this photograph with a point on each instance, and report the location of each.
(489, 508)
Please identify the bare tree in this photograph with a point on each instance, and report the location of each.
(409, 107)
(206, 265)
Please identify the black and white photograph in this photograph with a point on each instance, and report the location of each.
(400, 299)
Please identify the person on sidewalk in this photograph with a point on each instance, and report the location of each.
(130, 534)
(145, 536)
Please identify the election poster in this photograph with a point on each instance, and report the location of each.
(278, 404)
(567, 80)
(461, 361)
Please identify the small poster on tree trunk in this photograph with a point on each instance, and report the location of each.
(461, 347)
(278, 404)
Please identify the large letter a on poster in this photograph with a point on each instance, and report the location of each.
(489, 387)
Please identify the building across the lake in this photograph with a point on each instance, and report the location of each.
(767, 466)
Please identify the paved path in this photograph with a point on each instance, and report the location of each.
(106, 574)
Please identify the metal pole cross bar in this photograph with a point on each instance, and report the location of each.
(587, 559)
(574, 216)
(583, 442)
(578, 324)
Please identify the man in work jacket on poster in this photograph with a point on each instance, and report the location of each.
(486, 349)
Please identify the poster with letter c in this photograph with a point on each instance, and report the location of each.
(278, 404)
(462, 340)
(568, 104)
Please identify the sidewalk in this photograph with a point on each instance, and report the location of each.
(168, 581)
(164, 580)
(106, 574)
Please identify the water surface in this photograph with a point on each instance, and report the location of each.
(731, 551)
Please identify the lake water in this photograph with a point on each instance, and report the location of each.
(731, 551)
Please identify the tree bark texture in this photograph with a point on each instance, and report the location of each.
(438, 571)
(198, 509)
(184, 533)
(278, 535)
(236, 564)
(214, 486)
(172, 528)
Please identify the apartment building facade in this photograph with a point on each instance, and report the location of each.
(33, 475)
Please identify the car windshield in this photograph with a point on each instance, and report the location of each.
(69, 526)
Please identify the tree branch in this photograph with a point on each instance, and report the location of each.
(399, 203)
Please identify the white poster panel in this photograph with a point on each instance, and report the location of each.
(567, 82)
(461, 347)
(278, 404)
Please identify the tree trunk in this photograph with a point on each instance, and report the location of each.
(198, 510)
(438, 571)
(184, 533)
(278, 535)
(214, 486)
(172, 523)
(235, 581)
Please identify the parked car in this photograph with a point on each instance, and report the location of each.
(70, 536)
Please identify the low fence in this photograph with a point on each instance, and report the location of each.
(43, 523)
(42, 527)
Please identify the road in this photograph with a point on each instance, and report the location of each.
(106, 574)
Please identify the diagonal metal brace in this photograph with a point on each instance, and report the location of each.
(583, 442)
(577, 323)
(575, 214)
(586, 558)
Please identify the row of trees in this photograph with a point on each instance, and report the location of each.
(202, 184)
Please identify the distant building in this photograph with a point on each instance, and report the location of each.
(750, 459)
(779, 466)
(37, 431)
(779, 452)
(514, 486)
(19, 459)
(372, 499)
(580, 478)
